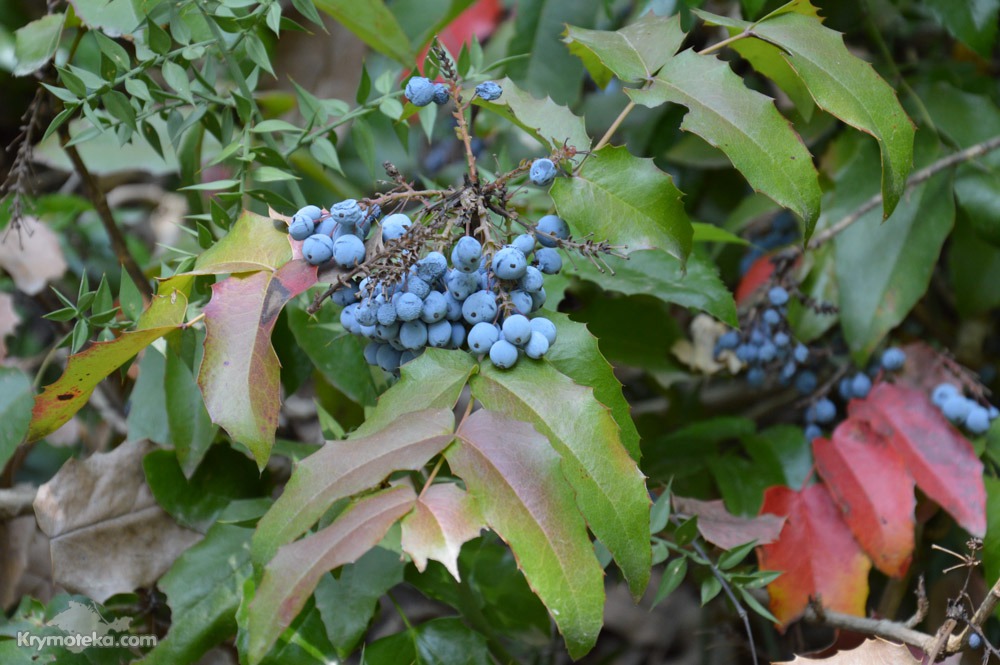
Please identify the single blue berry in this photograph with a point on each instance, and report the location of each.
(348, 251)
(347, 213)
(420, 91)
(550, 225)
(978, 420)
(310, 211)
(318, 249)
(756, 377)
(503, 354)
(533, 281)
(548, 260)
(413, 334)
(523, 302)
(517, 330)
(801, 353)
(417, 287)
(942, 392)
(466, 254)
(975, 641)
(510, 263)
(408, 307)
(461, 284)
(480, 306)
(893, 359)
(434, 308)
(394, 226)
(542, 325)
(524, 242)
(778, 296)
(439, 334)
(371, 352)
(301, 227)
(812, 432)
(542, 172)
(729, 339)
(537, 346)
(772, 317)
(482, 336)
(489, 91)
(388, 358)
(860, 385)
(825, 411)
(441, 94)
(431, 266)
(957, 408)
(781, 340)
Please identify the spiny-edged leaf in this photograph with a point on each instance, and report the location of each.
(251, 244)
(634, 53)
(374, 24)
(870, 483)
(342, 468)
(239, 375)
(516, 478)
(846, 87)
(625, 200)
(662, 276)
(742, 123)
(16, 397)
(445, 517)
(973, 23)
(940, 459)
(768, 59)
(291, 577)
(610, 489)
(870, 652)
(433, 381)
(577, 355)
(347, 603)
(550, 123)
(884, 269)
(816, 553)
(203, 592)
(60, 400)
(36, 43)
(335, 353)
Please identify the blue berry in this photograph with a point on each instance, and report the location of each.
(301, 227)
(537, 346)
(503, 354)
(417, 287)
(367, 312)
(978, 420)
(317, 249)
(466, 253)
(746, 353)
(801, 353)
(553, 226)
(349, 320)
(860, 385)
(371, 352)
(756, 377)
(975, 641)
(483, 336)
(310, 211)
(439, 334)
(480, 306)
(542, 172)
(409, 307)
(547, 328)
(523, 302)
(537, 299)
(893, 359)
(533, 281)
(347, 213)
(942, 392)
(386, 314)
(772, 317)
(329, 227)
(441, 94)
(767, 352)
(388, 358)
(413, 334)
(548, 260)
(431, 266)
(525, 242)
(729, 340)
(510, 263)
(812, 432)
(489, 91)
(348, 251)
(781, 340)
(806, 382)
(825, 411)
(434, 308)
(517, 329)
(956, 408)
(778, 296)
(457, 335)
(394, 226)
(461, 284)
(420, 91)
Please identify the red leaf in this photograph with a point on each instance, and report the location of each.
(719, 527)
(758, 275)
(941, 460)
(817, 553)
(869, 481)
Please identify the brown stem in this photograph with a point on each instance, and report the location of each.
(463, 133)
(924, 174)
(100, 202)
(890, 630)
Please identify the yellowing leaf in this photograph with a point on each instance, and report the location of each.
(445, 517)
(251, 244)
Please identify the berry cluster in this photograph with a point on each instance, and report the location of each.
(337, 236)
(961, 410)
(421, 91)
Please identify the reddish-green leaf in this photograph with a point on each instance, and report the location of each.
(342, 468)
(940, 459)
(610, 489)
(516, 478)
(60, 400)
(239, 375)
(869, 482)
(445, 517)
(720, 527)
(817, 554)
(252, 244)
(289, 580)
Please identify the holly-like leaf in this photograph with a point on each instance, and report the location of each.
(551, 124)
(291, 577)
(239, 375)
(870, 483)
(696, 284)
(252, 244)
(720, 527)
(742, 123)
(610, 489)
(15, 410)
(445, 517)
(203, 592)
(871, 652)
(374, 24)
(60, 400)
(816, 553)
(625, 200)
(342, 468)
(634, 53)
(577, 356)
(941, 460)
(516, 478)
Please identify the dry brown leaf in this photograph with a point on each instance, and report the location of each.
(107, 533)
(33, 258)
(719, 527)
(872, 652)
(9, 320)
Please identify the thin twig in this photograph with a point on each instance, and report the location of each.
(890, 630)
(924, 174)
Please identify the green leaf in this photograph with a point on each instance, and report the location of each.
(634, 53)
(625, 200)
(609, 488)
(36, 43)
(203, 592)
(433, 381)
(272, 174)
(348, 602)
(147, 419)
(291, 577)
(177, 78)
(326, 154)
(251, 244)
(782, 455)
(742, 123)
(342, 468)
(129, 297)
(659, 514)
(374, 24)
(445, 640)
(662, 276)
(577, 355)
(673, 575)
(883, 269)
(191, 428)
(973, 23)
(60, 400)
(974, 267)
(769, 60)
(112, 17)
(549, 123)
(15, 411)
(844, 86)
(336, 353)
(712, 233)
(239, 375)
(524, 497)
(710, 588)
